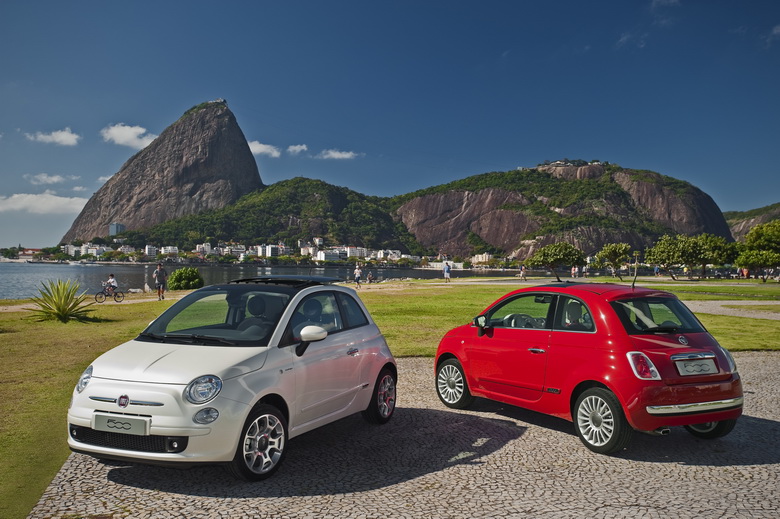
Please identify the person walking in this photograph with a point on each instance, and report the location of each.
(358, 273)
(160, 278)
(447, 269)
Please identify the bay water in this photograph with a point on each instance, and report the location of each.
(19, 280)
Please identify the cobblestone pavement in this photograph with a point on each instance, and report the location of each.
(489, 461)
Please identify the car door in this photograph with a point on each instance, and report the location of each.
(327, 373)
(509, 359)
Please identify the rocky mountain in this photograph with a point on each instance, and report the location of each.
(198, 181)
(519, 211)
(741, 222)
(199, 163)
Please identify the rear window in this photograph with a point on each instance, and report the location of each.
(656, 315)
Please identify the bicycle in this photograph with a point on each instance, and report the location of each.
(106, 293)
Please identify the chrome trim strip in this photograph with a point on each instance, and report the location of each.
(693, 356)
(697, 407)
(103, 399)
(142, 403)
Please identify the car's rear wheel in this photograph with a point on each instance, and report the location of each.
(600, 422)
(262, 446)
(710, 430)
(451, 385)
(382, 405)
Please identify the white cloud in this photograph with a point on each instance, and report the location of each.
(337, 155)
(103, 180)
(258, 148)
(64, 137)
(79, 189)
(132, 136)
(297, 149)
(46, 203)
(774, 34)
(45, 179)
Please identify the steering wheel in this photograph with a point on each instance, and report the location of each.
(519, 321)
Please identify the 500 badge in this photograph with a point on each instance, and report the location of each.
(121, 424)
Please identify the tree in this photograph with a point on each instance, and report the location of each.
(715, 250)
(764, 237)
(665, 253)
(613, 256)
(557, 255)
(759, 260)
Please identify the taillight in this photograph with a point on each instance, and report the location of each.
(643, 367)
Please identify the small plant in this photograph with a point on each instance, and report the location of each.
(186, 278)
(60, 300)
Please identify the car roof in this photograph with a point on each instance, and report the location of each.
(287, 280)
(609, 290)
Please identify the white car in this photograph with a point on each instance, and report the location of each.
(231, 372)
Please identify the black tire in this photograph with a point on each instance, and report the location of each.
(119, 297)
(382, 405)
(100, 297)
(261, 448)
(711, 430)
(451, 385)
(600, 422)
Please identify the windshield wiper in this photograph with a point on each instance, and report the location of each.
(200, 338)
(147, 335)
(661, 329)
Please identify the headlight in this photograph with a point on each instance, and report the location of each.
(203, 389)
(84, 379)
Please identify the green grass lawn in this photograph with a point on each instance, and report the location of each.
(43, 360)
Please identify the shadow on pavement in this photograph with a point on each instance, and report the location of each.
(347, 456)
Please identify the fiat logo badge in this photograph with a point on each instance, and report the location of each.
(123, 401)
(682, 340)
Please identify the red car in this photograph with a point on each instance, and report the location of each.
(610, 358)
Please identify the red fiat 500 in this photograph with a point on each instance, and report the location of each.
(610, 358)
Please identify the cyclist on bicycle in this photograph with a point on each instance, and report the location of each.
(111, 284)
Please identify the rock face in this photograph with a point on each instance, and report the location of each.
(499, 217)
(741, 225)
(690, 211)
(200, 162)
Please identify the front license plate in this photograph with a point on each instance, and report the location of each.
(121, 424)
(696, 367)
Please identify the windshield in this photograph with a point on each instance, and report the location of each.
(656, 315)
(229, 316)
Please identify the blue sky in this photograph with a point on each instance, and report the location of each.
(389, 97)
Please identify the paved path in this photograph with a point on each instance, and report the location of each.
(492, 461)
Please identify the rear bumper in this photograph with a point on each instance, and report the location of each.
(698, 407)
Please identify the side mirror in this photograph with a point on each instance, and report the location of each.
(480, 322)
(310, 334)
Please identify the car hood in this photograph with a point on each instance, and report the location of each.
(141, 361)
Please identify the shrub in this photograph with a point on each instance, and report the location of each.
(186, 278)
(60, 300)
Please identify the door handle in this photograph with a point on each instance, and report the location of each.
(352, 352)
(536, 350)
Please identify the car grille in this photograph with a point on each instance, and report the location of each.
(128, 442)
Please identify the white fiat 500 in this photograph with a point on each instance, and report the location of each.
(231, 372)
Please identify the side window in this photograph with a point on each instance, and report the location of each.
(525, 311)
(353, 314)
(573, 315)
(318, 309)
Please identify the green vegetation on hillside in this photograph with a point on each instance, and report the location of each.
(287, 211)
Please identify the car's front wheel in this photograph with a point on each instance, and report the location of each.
(262, 446)
(382, 405)
(451, 385)
(710, 430)
(600, 422)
